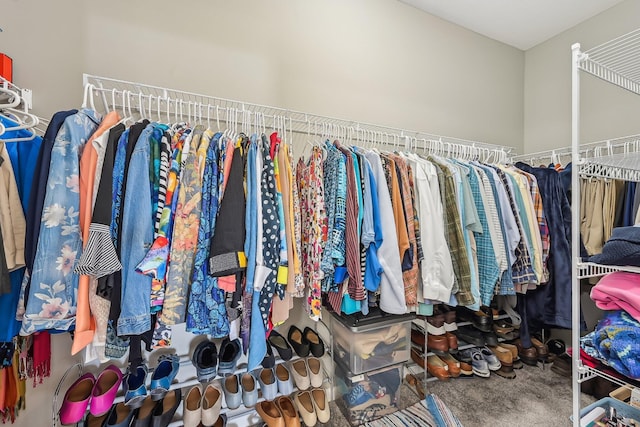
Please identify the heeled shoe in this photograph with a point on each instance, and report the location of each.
(163, 375)
(321, 404)
(281, 345)
(232, 391)
(304, 403)
(166, 408)
(145, 413)
(192, 409)
(76, 400)
(288, 411)
(105, 390)
(135, 389)
(298, 341)
(211, 404)
(300, 373)
(316, 345)
(120, 415)
(315, 372)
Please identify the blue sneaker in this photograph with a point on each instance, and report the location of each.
(479, 364)
(163, 375)
(135, 389)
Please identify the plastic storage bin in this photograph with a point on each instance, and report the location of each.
(622, 409)
(366, 397)
(374, 346)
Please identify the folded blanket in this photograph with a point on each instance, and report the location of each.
(617, 338)
(618, 291)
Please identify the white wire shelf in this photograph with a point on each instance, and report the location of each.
(587, 270)
(616, 61)
(587, 373)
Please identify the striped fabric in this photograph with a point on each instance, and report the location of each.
(431, 412)
(165, 164)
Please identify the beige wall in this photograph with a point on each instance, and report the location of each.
(378, 61)
(607, 111)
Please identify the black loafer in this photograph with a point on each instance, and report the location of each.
(298, 341)
(164, 411)
(470, 335)
(490, 339)
(269, 360)
(205, 359)
(281, 345)
(315, 342)
(481, 319)
(120, 415)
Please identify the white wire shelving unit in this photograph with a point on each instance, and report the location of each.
(616, 62)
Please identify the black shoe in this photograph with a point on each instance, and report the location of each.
(205, 359)
(281, 345)
(315, 342)
(230, 352)
(166, 408)
(269, 360)
(490, 339)
(481, 319)
(470, 335)
(298, 341)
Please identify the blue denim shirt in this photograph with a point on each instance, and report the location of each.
(137, 237)
(51, 303)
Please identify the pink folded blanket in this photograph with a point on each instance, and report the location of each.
(618, 291)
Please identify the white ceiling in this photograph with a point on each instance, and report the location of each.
(519, 23)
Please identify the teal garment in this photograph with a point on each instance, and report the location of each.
(51, 303)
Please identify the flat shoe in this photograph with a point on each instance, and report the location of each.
(163, 375)
(211, 404)
(288, 411)
(232, 391)
(321, 405)
(76, 400)
(135, 387)
(298, 341)
(304, 403)
(192, 407)
(284, 379)
(281, 345)
(316, 345)
(437, 368)
(105, 390)
(166, 408)
(120, 416)
(270, 413)
(315, 372)
(145, 413)
(300, 373)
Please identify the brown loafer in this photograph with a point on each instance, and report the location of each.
(437, 368)
(517, 363)
(418, 357)
(527, 355)
(506, 361)
(435, 324)
(453, 364)
(417, 338)
(439, 344)
(452, 340)
(541, 349)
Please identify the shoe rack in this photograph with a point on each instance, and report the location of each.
(239, 417)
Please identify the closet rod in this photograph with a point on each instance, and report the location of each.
(110, 88)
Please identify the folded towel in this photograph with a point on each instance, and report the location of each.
(618, 291)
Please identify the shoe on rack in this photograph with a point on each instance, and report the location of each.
(453, 364)
(166, 408)
(120, 415)
(438, 344)
(481, 319)
(230, 352)
(316, 345)
(465, 361)
(562, 365)
(490, 339)
(269, 360)
(268, 384)
(76, 400)
(505, 329)
(288, 411)
(452, 340)
(105, 390)
(192, 407)
(517, 363)
(418, 357)
(163, 375)
(528, 355)
(278, 342)
(145, 413)
(479, 364)
(315, 372)
(221, 422)
(556, 348)
(91, 421)
(306, 409)
(437, 368)
(506, 362)
(211, 404)
(300, 372)
(541, 349)
(492, 361)
(435, 324)
(321, 405)
(470, 335)
(298, 341)
(205, 359)
(249, 390)
(284, 379)
(135, 389)
(232, 391)
(450, 324)
(270, 413)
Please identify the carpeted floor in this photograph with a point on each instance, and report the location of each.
(536, 397)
